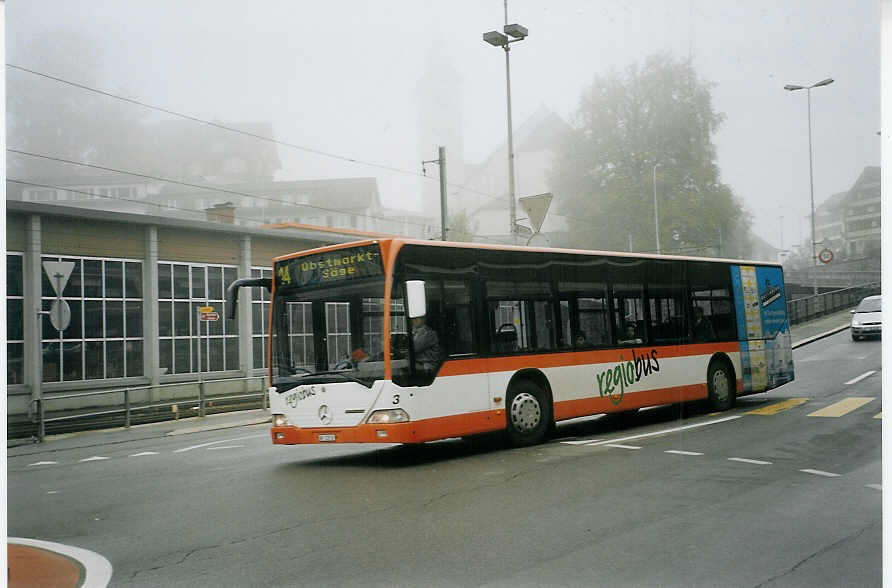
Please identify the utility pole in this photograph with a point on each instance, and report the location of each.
(441, 161)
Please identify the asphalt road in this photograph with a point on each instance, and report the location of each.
(732, 499)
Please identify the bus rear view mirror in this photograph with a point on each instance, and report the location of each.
(416, 299)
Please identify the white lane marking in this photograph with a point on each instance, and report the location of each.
(678, 452)
(36, 463)
(821, 473)
(97, 569)
(875, 487)
(142, 453)
(94, 458)
(583, 442)
(218, 442)
(752, 461)
(618, 446)
(859, 378)
(225, 447)
(52, 491)
(666, 431)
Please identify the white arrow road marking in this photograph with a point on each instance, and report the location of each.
(94, 458)
(43, 463)
(218, 442)
(617, 446)
(859, 378)
(752, 461)
(666, 431)
(821, 473)
(144, 453)
(677, 452)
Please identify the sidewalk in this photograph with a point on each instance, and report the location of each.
(826, 325)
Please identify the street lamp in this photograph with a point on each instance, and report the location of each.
(811, 180)
(497, 39)
(656, 210)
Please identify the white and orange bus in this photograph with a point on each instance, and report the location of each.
(525, 337)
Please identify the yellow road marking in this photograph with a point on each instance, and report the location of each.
(842, 407)
(779, 407)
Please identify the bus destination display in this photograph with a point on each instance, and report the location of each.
(330, 267)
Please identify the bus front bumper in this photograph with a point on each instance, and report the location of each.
(394, 433)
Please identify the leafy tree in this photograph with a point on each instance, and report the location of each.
(659, 114)
(460, 227)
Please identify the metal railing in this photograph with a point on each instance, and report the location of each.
(804, 309)
(128, 408)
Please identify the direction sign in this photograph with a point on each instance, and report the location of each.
(58, 272)
(536, 207)
(205, 309)
(209, 316)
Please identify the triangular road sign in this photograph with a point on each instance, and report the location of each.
(536, 207)
(58, 273)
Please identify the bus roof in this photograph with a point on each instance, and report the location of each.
(400, 241)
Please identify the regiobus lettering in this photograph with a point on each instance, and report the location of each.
(405, 341)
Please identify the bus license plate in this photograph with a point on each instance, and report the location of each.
(327, 437)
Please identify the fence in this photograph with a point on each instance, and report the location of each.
(804, 309)
(128, 407)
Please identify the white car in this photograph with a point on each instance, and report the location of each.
(867, 318)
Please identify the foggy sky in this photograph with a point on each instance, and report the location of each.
(341, 77)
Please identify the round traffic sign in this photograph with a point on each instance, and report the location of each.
(826, 256)
(60, 314)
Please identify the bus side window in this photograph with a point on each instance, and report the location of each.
(628, 314)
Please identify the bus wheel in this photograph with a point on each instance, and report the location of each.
(719, 382)
(529, 414)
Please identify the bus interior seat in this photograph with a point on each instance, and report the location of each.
(506, 341)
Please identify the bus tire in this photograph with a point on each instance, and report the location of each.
(719, 381)
(528, 414)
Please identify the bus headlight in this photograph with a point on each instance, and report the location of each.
(279, 420)
(384, 417)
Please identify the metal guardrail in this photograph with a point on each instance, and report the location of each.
(128, 408)
(804, 309)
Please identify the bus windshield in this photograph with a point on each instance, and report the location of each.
(328, 334)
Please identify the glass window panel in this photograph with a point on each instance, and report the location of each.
(231, 353)
(133, 279)
(72, 361)
(93, 319)
(230, 326)
(114, 318)
(15, 363)
(94, 359)
(165, 317)
(215, 357)
(259, 344)
(48, 330)
(259, 327)
(544, 327)
(181, 319)
(134, 319)
(52, 361)
(181, 360)
(165, 359)
(181, 282)
(229, 276)
(628, 306)
(215, 327)
(14, 275)
(134, 358)
(75, 328)
(73, 286)
(114, 279)
(215, 283)
(114, 359)
(198, 287)
(14, 320)
(164, 281)
(92, 278)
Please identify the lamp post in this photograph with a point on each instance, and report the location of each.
(497, 39)
(811, 180)
(656, 210)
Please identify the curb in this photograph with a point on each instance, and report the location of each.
(814, 338)
(232, 425)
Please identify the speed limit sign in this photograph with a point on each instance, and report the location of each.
(826, 256)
